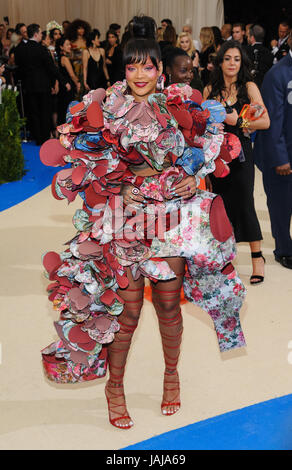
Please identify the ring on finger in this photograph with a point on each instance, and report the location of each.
(135, 191)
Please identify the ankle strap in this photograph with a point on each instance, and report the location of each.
(256, 254)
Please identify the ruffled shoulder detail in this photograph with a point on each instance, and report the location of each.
(146, 126)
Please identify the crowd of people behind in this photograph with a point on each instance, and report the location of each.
(63, 63)
(71, 59)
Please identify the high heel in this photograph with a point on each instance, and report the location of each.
(260, 279)
(112, 407)
(171, 386)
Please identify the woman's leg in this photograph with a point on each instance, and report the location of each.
(166, 300)
(258, 264)
(118, 351)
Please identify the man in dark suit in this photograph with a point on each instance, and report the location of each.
(280, 47)
(273, 154)
(260, 56)
(39, 75)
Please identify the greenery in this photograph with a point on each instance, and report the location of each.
(11, 156)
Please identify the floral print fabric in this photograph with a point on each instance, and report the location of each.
(99, 140)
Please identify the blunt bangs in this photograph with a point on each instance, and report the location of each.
(137, 51)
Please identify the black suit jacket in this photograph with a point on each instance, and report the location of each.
(37, 68)
(262, 61)
(18, 51)
(283, 50)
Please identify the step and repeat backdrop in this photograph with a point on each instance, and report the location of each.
(100, 13)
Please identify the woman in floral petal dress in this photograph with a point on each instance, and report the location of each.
(150, 148)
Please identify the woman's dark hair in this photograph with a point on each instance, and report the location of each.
(51, 33)
(217, 83)
(125, 38)
(107, 44)
(71, 33)
(44, 35)
(9, 30)
(18, 28)
(114, 26)
(169, 35)
(60, 42)
(170, 54)
(142, 43)
(143, 27)
(217, 36)
(91, 37)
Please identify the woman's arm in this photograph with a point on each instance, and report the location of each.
(105, 70)
(196, 63)
(67, 64)
(206, 92)
(255, 96)
(85, 58)
(231, 118)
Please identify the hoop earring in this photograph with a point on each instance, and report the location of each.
(160, 83)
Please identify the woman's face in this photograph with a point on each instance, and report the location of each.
(112, 39)
(57, 35)
(182, 70)
(185, 43)
(80, 31)
(47, 41)
(231, 63)
(142, 79)
(96, 41)
(66, 48)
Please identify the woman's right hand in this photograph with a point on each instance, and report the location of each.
(108, 62)
(86, 87)
(128, 195)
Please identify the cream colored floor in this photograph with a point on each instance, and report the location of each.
(36, 414)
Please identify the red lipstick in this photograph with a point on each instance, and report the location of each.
(140, 84)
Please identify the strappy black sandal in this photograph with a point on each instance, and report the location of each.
(260, 279)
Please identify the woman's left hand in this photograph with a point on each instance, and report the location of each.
(186, 188)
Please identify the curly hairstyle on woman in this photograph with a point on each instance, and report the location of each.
(73, 28)
(217, 84)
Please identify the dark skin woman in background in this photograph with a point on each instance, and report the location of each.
(179, 68)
